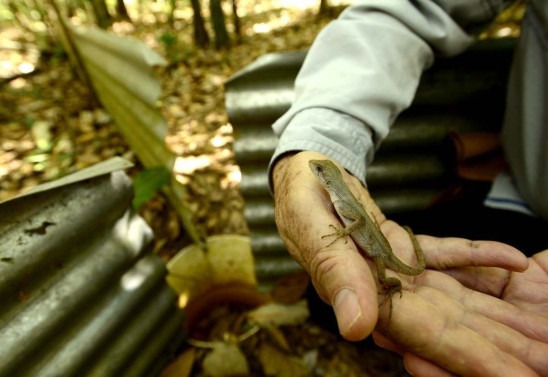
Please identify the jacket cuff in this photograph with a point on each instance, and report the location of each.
(339, 136)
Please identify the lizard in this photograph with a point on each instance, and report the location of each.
(365, 232)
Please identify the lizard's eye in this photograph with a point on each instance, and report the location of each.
(319, 168)
(328, 183)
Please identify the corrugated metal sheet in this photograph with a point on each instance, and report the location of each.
(413, 165)
(120, 69)
(82, 293)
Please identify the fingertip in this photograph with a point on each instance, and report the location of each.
(355, 320)
(523, 263)
(385, 343)
(418, 366)
(516, 260)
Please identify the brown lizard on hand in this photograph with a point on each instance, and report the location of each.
(365, 233)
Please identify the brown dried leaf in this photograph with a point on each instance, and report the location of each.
(276, 363)
(225, 360)
(291, 288)
(341, 367)
(182, 366)
(275, 314)
(278, 337)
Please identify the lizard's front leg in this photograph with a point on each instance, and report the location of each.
(340, 232)
(352, 219)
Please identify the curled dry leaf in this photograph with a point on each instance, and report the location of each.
(276, 363)
(275, 314)
(291, 288)
(225, 360)
(228, 259)
(236, 294)
(182, 366)
(278, 337)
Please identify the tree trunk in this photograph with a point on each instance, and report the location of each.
(102, 15)
(171, 16)
(237, 27)
(324, 8)
(84, 5)
(219, 27)
(23, 23)
(201, 38)
(121, 11)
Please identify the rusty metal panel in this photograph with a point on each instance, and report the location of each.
(120, 69)
(412, 168)
(82, 293)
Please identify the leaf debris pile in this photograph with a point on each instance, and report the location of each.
(48, 129)
(50, 126)
(256, 334)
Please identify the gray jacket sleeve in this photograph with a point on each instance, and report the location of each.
(363, 70)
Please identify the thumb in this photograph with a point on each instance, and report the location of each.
(345, 280)
(341, 276)
(339, 272)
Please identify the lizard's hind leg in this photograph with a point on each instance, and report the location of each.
(387, 295)
(390, 285)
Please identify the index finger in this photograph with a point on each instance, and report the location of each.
(451, 252)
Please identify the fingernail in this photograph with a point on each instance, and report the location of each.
(347, 309)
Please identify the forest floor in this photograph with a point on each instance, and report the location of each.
(49, 126)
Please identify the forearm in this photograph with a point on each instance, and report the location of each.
(362, 71)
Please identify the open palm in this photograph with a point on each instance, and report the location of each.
(473, 321)
(467, 314)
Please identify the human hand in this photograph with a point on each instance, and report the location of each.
(340, 274)
(495, 326)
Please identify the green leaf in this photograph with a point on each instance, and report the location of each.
(146, 184)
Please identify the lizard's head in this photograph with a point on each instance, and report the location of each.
(325, 170)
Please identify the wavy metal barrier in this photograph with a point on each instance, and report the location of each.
(412, 167)
(81, 292)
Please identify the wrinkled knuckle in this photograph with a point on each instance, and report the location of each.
(321, 265)
(281, 184)
(279, 217)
